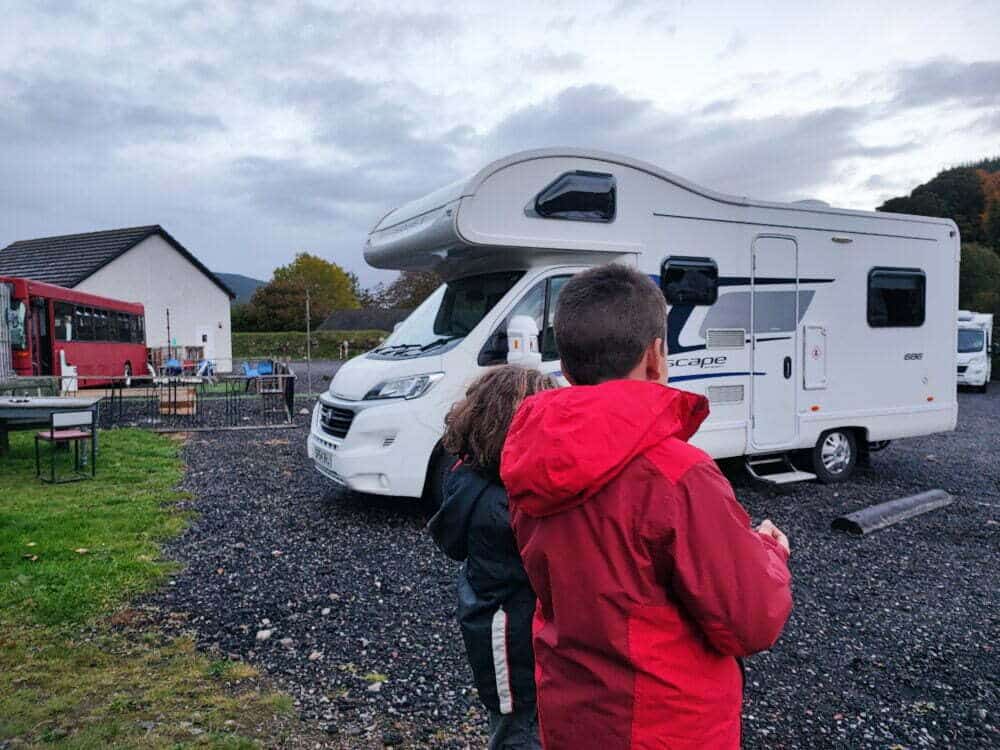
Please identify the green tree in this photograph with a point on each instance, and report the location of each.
(280, 305)
(242, 317)
(979, 280)
(409, 290)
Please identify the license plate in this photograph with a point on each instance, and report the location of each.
(324, 457)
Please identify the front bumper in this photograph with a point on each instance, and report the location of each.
(385, 452)
(972, 376)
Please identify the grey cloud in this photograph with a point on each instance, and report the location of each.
(975, 84)
(719, 107)
(777, 157)
(65, 112)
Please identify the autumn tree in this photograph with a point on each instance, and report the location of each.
(280, 305)
(409, 290)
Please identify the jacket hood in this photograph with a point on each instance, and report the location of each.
(566, 444)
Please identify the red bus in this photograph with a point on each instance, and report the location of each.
(102, 338)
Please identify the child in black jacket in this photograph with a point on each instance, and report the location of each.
(495, 600)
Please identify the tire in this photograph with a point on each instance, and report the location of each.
(440, 464)
(835, 456)
(984, 387)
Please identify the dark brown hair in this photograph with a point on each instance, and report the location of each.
(476, 426)
(605, 318)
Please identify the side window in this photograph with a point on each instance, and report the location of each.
(549, 350)
(532, 304)
(689, 281)
(64, 321)
(896, 297)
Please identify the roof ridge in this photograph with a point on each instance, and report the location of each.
(80, 235)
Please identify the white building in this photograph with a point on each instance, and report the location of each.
(137, 264)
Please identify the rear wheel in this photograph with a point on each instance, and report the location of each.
(835, 456)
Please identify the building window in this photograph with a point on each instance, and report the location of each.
(689, 281)
(579, 196)
(896, 297)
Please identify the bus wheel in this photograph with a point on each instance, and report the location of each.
(128, 374)
(835, 456)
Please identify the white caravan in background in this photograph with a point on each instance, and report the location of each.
(975, 349)
(814, 332)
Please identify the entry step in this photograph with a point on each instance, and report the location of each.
(776, 470)
(788, 477)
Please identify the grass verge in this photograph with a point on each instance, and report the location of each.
(292, 344)
(77, 670)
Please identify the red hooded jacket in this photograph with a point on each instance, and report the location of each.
(650, 581)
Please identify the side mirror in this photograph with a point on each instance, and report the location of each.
(522, 342)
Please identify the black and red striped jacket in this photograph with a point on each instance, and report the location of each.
(650, 581)
(495, 600)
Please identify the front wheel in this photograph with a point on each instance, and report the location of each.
(835, 456)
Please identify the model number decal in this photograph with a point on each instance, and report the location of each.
(699, 362)
(913, 355)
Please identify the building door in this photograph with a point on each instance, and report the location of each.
(775, 316)
(206, 341)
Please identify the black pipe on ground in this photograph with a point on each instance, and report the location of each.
(876, 517)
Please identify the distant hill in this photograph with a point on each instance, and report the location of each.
(243, 286)
(970, 195)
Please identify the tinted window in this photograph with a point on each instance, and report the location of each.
(540, 305)
(579, 196)
(689, 281)
(549, 350)
(896, 297)
(64, 321)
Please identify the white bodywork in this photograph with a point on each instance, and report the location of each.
(808, 262)
(975, 365)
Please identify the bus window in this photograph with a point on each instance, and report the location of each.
(64, 321)
(141, 327)
(18, 336)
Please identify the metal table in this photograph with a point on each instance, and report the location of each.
(29, 412)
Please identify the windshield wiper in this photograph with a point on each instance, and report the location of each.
(439, 342)
(394, 347)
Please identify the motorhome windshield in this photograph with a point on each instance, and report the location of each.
(970, 340)
(447, 316)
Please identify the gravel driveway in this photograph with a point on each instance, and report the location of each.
(347, 604)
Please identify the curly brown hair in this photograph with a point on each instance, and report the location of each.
(476, 426)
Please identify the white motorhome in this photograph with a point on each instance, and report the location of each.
(975, 349)
(814, 332)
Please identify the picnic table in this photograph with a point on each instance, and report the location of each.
(30, 412)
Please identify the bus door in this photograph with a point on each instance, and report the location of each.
(41, 342)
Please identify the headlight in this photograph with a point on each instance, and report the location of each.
(412, 386)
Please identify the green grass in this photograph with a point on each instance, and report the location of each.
(78, 669)
(292, 344)
(96, 542)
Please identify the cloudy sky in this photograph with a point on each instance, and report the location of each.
(252, 131)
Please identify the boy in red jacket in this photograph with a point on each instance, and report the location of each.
(650, 581)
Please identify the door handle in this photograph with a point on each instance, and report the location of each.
(788, 367)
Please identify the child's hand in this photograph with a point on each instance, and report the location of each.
(769, 529)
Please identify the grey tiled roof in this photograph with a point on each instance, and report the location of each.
(71, 258)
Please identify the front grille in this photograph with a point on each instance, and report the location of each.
(335, 421)
(962, 368)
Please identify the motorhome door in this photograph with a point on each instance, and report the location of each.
(774, 286)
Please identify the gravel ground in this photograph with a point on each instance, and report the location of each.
(346, 603)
